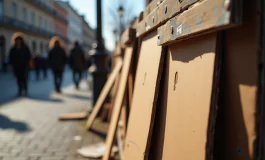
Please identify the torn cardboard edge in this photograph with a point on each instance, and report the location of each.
(201, 18)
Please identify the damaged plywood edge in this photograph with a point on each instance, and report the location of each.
(104, 94)
(128, 36)
(159, 15)
(203, 17)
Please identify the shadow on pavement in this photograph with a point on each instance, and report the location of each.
(77, 96)
(6, 123)
(98, 133)
(45, 98)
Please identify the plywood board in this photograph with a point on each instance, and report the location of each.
(144, 99)
(118, 103)
(240, 93)
(189, 93)
(103, 94)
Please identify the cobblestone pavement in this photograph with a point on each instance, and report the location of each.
(30, 130)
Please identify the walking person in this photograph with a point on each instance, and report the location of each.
(77, 63)
(19, 57)
(57, 60)
(45, 64)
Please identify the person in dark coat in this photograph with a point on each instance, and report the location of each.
(19, 57)
(57, 60)
(77, 63)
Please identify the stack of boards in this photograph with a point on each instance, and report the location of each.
(189, 83)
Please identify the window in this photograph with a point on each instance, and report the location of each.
(24, 14)
(33, 18)
(41, 47)
(14, 10)
(40, 21)
(1, 8)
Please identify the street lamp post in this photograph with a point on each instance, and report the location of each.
(120, 12)
(99, 68)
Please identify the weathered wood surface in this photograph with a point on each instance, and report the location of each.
(203, 17)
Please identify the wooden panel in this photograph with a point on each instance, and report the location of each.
(205, 16)
(144, 99)
(118, 103)
(151, 7)
(159, 15)
(190, 82)
(103, 94)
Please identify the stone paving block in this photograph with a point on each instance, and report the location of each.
(48, 138)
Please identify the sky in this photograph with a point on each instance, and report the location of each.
(88, 8)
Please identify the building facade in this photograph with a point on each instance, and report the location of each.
(75, 32)
(61, 23)
(88, 36)
(34, 18)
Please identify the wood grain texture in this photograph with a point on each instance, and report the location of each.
(159, 15)
(144, 99)
(118, 103)
(189, 93)
(203, 17)
(103, 94)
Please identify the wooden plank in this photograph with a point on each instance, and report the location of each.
(114, 94)
(189, 94)
(151, 7)
(144, 99)
(121, 130)
(128, 36)
(159, 15)
(118, 103)
(73, 116)
(103, 94)
(206, 16)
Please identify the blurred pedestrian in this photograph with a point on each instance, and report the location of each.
(77, 63)
(57, 60)
(19, 58)
(4, 64)
(45, 64)
(38, 65)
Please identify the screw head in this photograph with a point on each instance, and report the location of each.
(153, 19)
(165, 9)
(180, 1)
(172, 30)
